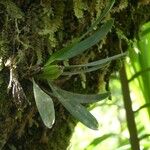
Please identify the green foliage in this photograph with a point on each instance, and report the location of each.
(44, 21)
(101, 62)
(101, 16)
(139, 72)
(92, 66)
(12, 9)
(3, 47)
(51, 21)
(81, 98)
(79, 7)
(78, 48)
(98, 140)
(75, 108)
(85, 70)
(72, 102)
(45, 106)
(139, 56)
(51, 72)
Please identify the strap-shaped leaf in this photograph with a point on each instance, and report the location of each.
(80, 113)
(81, 98)
(98, 140)
(92, 66)
(99, 19)
(86, 70)
(101, 62)
(80, 47)
(77, 110)
(45, 106)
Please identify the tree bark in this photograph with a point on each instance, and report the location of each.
(30, 31)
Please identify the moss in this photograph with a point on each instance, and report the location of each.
(30, 31)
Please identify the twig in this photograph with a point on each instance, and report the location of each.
(143, 106)
(144, 136)
(129, 112)
(138, 74)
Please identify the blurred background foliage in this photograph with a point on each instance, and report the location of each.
(113, 131)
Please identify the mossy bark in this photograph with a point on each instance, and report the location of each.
(30, 31)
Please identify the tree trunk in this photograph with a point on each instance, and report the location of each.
(30, 31)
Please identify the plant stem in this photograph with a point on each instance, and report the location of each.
(129, 112)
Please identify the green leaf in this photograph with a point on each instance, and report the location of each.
(140, 61)
(56, 55)
(78, 48)
(101, 62)
(45, 106)
(139, 73)
(98, 140)
(99, 19)
(85, 70)
(77, 110)
(80, 113)
(92, 66)
(81, 98)
(51, 72)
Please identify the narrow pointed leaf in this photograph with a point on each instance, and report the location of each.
(92, 66)
(98, 140)
(101, 62)
(45, 106)
(86, 70)
(80, 113)
(82, 98)
(77, 110)
(99, 19)
(80, 47)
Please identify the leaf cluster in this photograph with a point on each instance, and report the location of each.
(52, 70)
